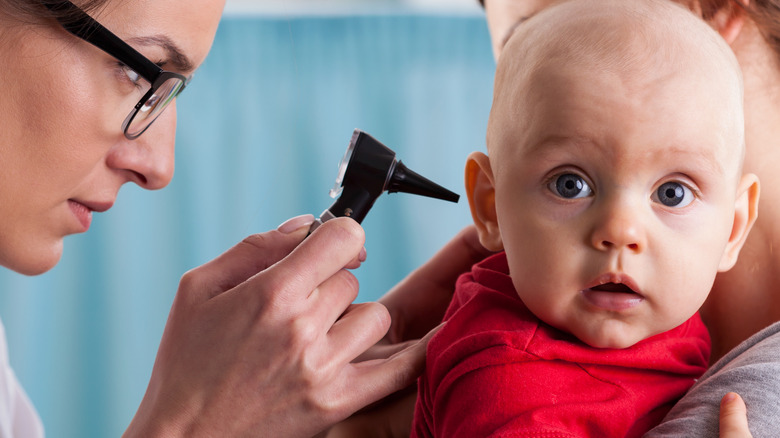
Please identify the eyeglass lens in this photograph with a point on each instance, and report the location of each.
(152, 107)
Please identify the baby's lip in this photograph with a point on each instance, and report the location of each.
(615, 282)
(613, 292)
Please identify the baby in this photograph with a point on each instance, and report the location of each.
(614, 191)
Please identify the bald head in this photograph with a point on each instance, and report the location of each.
(635, 44)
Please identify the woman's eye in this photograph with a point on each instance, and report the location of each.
(673, 194)
(570, 186)
(132, 76)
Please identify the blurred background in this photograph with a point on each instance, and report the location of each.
(261, 130)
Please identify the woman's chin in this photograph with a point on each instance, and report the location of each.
(34, 262)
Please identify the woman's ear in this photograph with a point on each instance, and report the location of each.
(745, 215)
(728, 19)
(480, 189)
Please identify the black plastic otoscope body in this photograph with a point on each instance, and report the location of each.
(368, 169)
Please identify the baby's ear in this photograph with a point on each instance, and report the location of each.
(745, 215)
(481, 192)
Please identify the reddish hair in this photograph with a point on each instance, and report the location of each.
(765, 13)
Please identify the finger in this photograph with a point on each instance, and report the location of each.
(382, 350)
(356, 262)
(376, 379)
(250, 256)
(357, 330)
(325, 252)
(332, 298)
(733, 417)
(429, 289)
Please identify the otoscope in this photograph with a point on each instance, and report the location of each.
(368, 169)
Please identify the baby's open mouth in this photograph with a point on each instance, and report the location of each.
(613, 296)
(614, 287)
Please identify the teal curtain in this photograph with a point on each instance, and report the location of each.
(262, 128)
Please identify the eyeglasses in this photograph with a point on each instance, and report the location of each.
(165, 85)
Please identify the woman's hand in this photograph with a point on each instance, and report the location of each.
(733, 417)
(417, 305)
(260, 341)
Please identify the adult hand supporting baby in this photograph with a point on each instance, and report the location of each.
(733, 417)
(260, 340)
(417, 304)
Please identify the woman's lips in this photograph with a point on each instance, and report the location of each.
(82, 213)
(614, 293)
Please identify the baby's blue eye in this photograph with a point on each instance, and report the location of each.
(570, 186)
(673, 194)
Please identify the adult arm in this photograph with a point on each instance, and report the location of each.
(750, 370)
(417, 304)
(260, 341)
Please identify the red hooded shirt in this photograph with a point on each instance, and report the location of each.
(496, 370)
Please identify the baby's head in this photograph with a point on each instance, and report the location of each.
(614, 180)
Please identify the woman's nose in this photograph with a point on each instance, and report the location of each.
(619, 226)
(149, 159)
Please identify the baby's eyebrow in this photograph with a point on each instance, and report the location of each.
(513, 28)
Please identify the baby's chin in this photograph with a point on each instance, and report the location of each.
(614, 336)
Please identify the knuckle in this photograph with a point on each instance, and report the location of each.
(347, 229)
(349, 286)
(257, 241)
(189, 279)
(274, 290)
(327, 404)
(379, 315)
(191, 282)
(303, 338)
(255, 248)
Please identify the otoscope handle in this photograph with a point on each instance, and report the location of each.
(353, 202)
(324, 217)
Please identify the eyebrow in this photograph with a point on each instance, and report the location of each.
(176, 57)
(702, 161)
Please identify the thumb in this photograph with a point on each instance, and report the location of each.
(252, 255)
(380, 378)
(733, 417)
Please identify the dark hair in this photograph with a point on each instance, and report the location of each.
(35, 10)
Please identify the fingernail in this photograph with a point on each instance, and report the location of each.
(295, 223)
(728, 398)
(363, 255)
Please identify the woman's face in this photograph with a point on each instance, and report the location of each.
(61, 145)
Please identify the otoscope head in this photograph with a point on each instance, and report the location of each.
(370, 168)
(369, 164)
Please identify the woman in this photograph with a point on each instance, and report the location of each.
(82, 114)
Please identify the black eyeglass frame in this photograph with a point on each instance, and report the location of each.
(88, 29)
